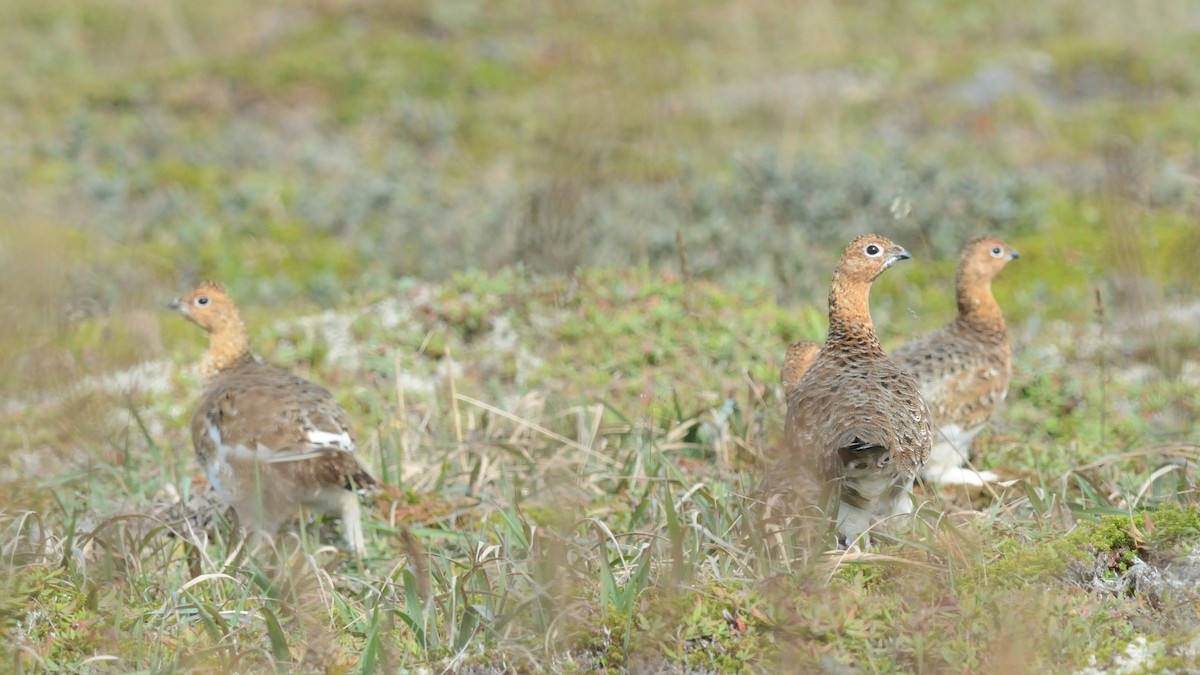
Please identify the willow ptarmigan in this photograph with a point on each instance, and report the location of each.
(270, 442)
(963, 368)
(855, 419)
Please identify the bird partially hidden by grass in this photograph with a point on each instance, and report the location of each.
(963, 368)
(270, 442)
(855, 421)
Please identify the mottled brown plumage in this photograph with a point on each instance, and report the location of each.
(963, 368)
(855, 419)
(798, 359)
(269, 441)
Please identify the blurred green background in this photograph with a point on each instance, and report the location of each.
(614, 215)
(305, 152)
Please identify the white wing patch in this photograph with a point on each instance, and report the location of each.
(960, 439)
(219, 463)
(214, 434)
(214, 479)
(268, 457)
(964, 476)
(339, 440)
(950, 452)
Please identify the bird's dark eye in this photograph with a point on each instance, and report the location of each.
(872, 250)
(202, 300)
(996, 251)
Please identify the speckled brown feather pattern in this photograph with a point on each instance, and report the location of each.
(798, 359)
(269, 441)
(259, 406)
(855, 417)
(963, 369)
(962, 373)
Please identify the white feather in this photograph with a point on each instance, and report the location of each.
(313, 453)
(326, 438)
(959, 439)
(219, 464)
(951, 450)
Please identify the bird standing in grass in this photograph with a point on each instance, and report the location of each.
(269, 441)
(963, 368)
(855, 420)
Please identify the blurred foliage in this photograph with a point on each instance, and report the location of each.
(470, 203)
(314, 148)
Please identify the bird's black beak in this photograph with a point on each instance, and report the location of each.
(897, 254)
(1014, 255)
(173, 304)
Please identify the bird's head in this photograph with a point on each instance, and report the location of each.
(207, 305)
(868, 256)
(984, 257)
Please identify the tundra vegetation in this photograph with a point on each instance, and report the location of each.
(549, 255)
